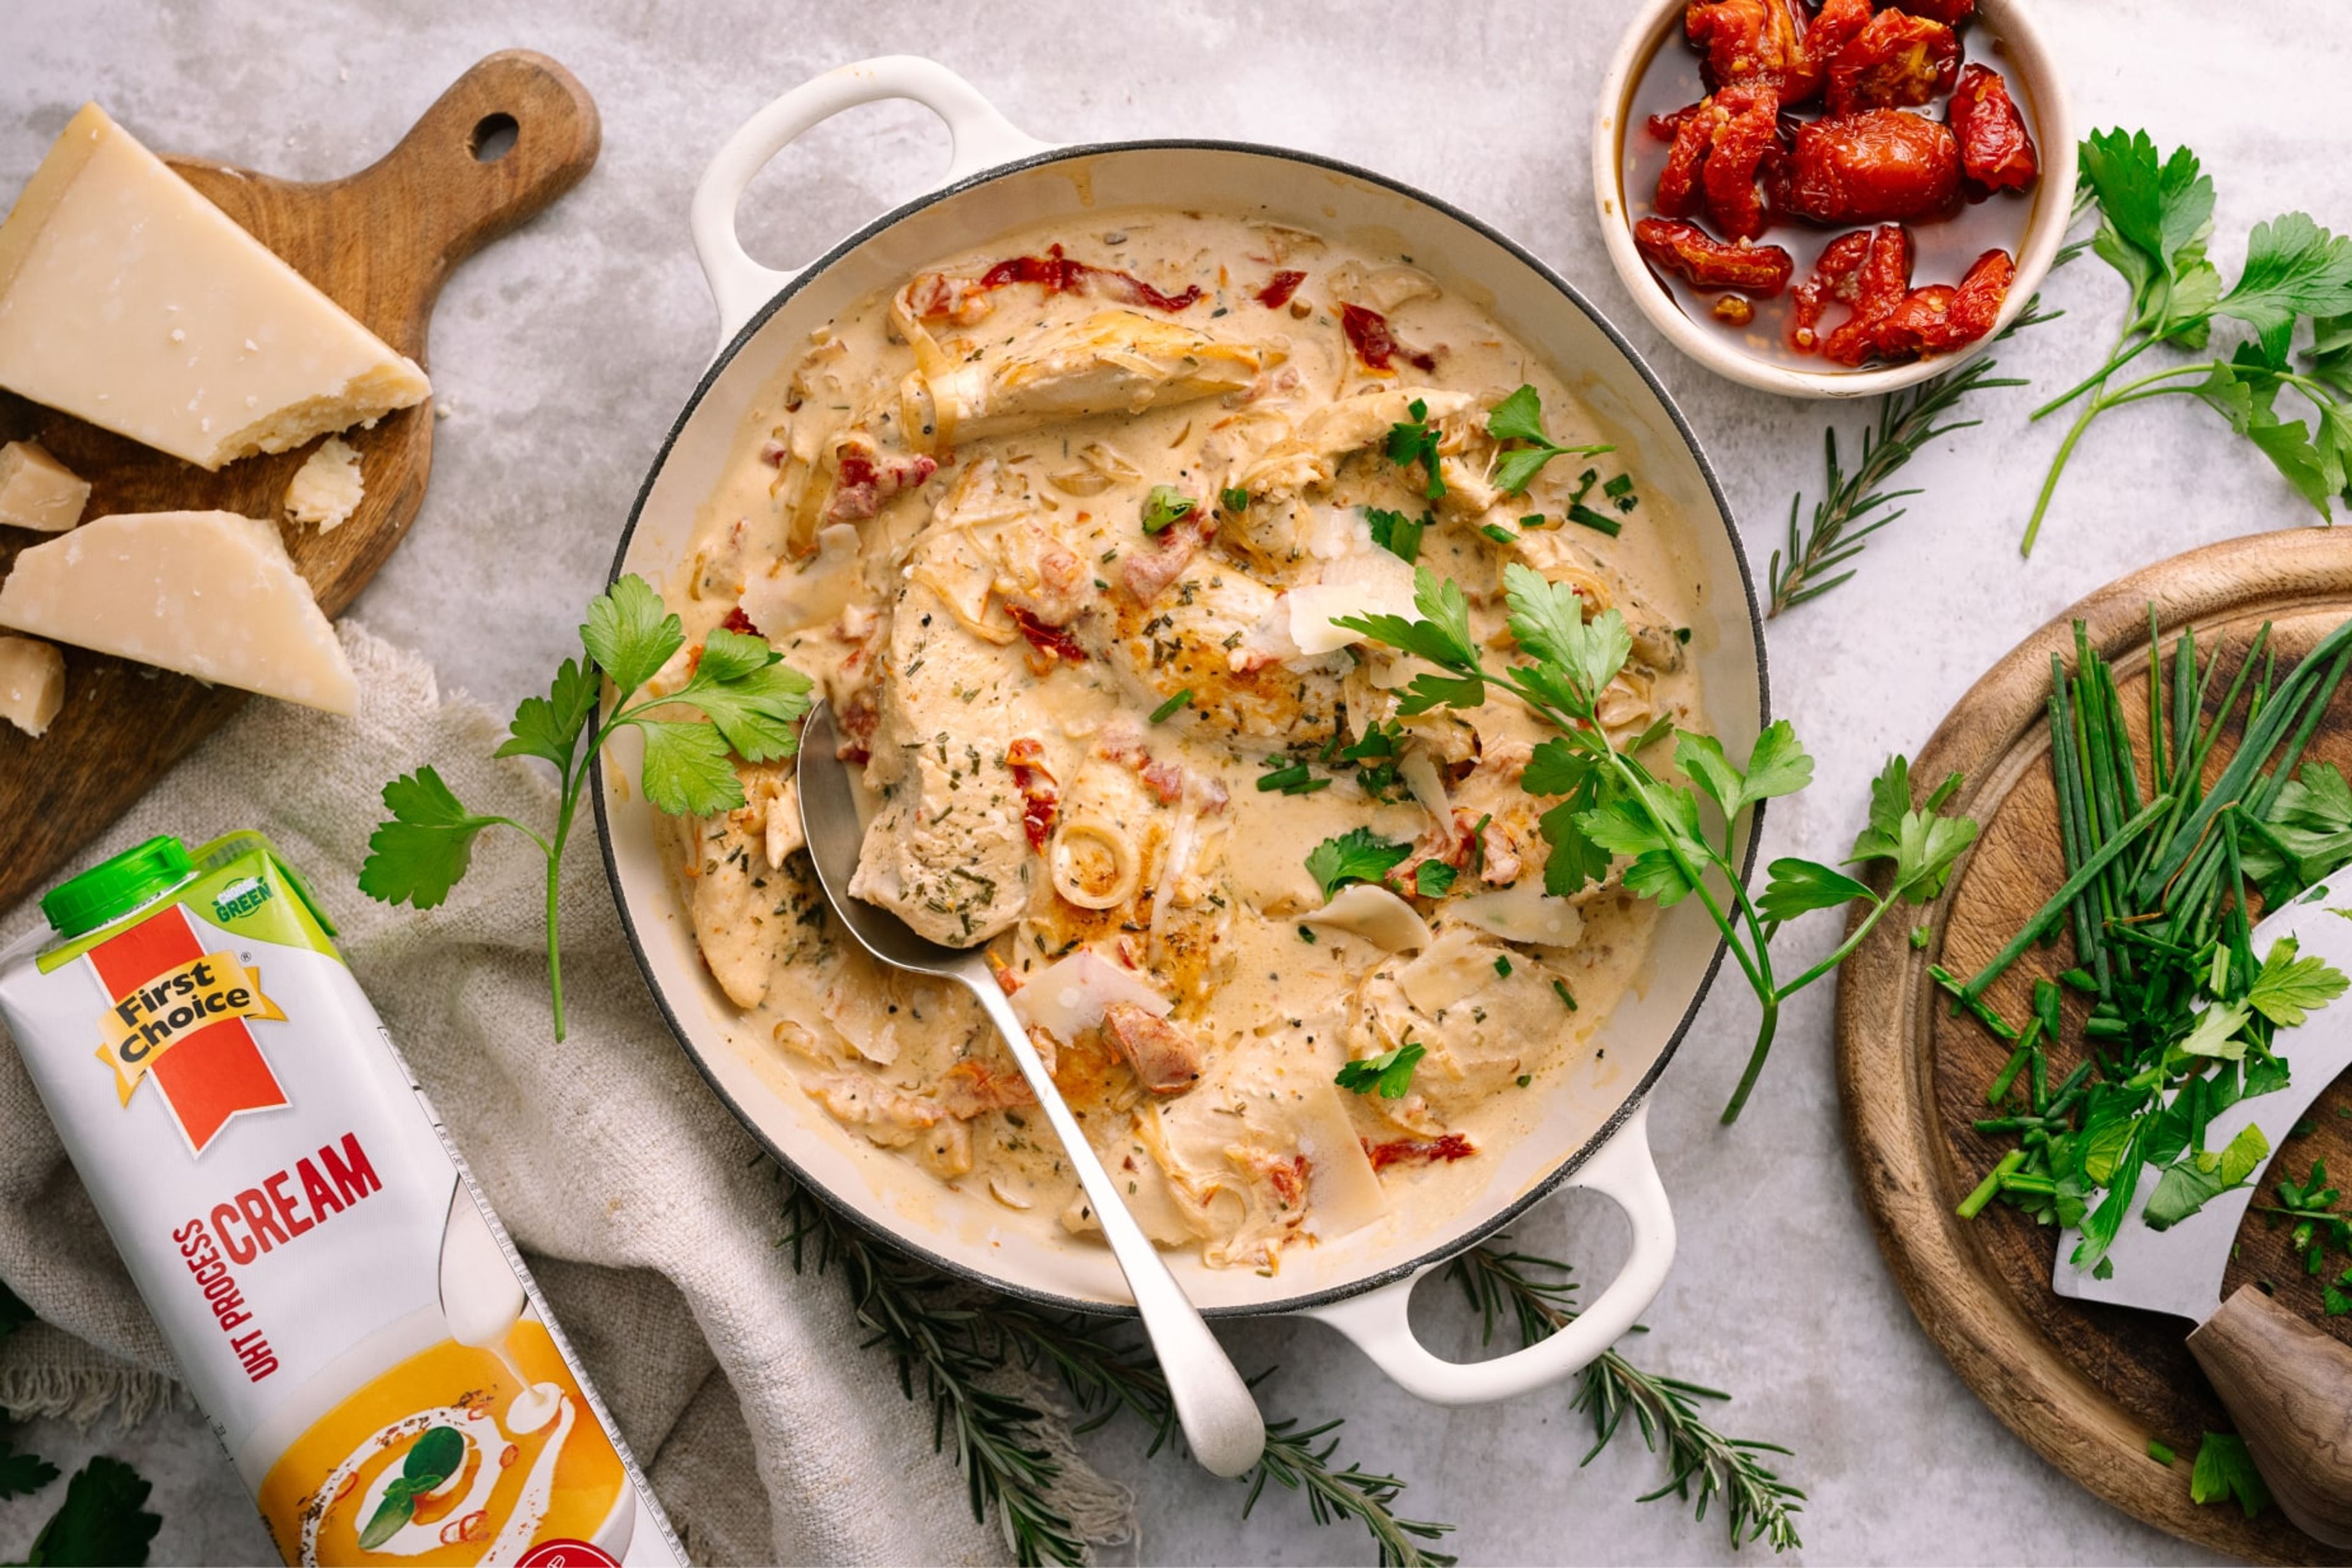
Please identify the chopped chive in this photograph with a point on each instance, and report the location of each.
(2160, 1452)
(1503, 964)
(1283, 778)
(1623, 485)
(1173, 706)
(1534, 520)
(1973, 1204)
(1235, 500)
(1498, 533)
(1307, 934)
(1526, 1079)
(1602, 521)
(2050, 913)
(1559, 989)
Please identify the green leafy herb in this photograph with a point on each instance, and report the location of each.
(1165, 507)
(432, 1460)
(1390, 1072)
(1376, 755)
(2309, 1205)
(1610, 806)
(1234, 500)
(22, 1474)
(750, 703)
(1518, 423)
(2156, 215)
(103, 1520)
(1430, 879)
(1415, 440)
(1358, 855)
(1702, 1465)
(1173, 706)
(2159, 900)
(951, 1345)
(2225, 1472)
(1398, 534)
(1856, 505)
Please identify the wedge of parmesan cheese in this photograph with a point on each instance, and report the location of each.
(327, 488)
(208, 594)
(32, 683)
(128, 300)
(39, 491)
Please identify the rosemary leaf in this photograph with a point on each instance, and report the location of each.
(1534, 1294)
(950, 1342)
(1854, 506)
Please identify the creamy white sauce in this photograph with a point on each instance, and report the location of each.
(1065, 411)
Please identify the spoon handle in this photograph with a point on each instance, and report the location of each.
(1213, 1405)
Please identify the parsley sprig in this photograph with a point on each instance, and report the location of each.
(1518, 423)
(2156, 215)
(1609, 805)
(749, 701)
(1390, 1072)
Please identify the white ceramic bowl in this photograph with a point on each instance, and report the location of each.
(2025, 61)
(1591, 1131)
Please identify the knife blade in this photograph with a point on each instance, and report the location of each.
(2178, 1269)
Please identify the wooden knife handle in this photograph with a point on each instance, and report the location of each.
(2289, 1387)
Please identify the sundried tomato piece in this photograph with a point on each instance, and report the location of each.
(1690, 129)
(1833, 279)
(1951, 12)
(737, 621)
(1833, 28)
(1706, 262)
(1995, 149)
(1897, 60)
(1875, 289)
(1876, 166)
(1917, 325)
(1377, 346)
(1753, 41)
(1746, 128)
(1279, 288)
(1940, 317)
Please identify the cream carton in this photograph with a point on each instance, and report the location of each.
(345, 1307)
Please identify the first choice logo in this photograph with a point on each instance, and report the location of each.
(150, 1019)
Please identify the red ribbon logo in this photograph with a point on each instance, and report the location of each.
(206, 1073)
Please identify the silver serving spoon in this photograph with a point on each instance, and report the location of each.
(1214, 1407)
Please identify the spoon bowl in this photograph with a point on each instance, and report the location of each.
(1213, 1405)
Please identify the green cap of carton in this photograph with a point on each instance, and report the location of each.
(113, 888)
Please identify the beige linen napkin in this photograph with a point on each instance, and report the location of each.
(648, 1213)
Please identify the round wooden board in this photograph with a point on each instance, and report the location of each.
(2087, 1385)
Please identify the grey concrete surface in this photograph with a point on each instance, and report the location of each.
(566, 351)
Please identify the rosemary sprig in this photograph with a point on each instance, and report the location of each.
(1854, 506)
(1535, 1293)
(947, 1346)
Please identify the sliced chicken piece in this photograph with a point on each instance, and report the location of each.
(1166, 1059)
(1114, 361)
(947, 850)
(1197, 636)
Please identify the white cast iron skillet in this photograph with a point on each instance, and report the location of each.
(1591, 1129)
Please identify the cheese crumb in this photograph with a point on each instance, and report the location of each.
(39, 491)
(327, 488)
(32, 683)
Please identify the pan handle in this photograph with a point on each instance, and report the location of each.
(980, 136)
(1622, 1168)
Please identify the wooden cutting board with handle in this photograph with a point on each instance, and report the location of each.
(509, 137)
(2086, 1385)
